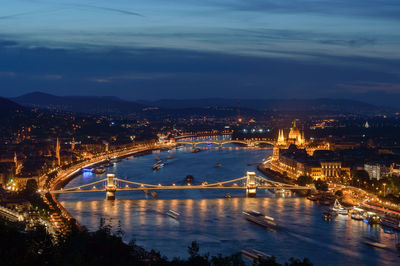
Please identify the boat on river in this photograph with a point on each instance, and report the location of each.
(196, 150)
(339, 209)
(173, 214)
(260, 219)
(158, 165)
(373, 242)
(254, 254)
(372, 218)
(108, 164)
(358, 216)
(189, 179)
(312, 197)
(99, 170)
(328, 215)
(391, 222)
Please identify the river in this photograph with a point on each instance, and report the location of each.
(216, 223)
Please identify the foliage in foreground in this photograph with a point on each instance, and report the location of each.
(101, 248)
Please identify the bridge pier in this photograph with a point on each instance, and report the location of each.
(110, 187)
(251, 190)
(110, 194)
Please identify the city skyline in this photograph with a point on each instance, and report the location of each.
(191, 49)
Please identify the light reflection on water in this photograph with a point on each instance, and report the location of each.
(217, 223)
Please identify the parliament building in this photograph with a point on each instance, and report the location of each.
(294, 156)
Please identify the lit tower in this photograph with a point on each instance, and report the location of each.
(281, 138)
(239, 118)
(58, 152)
(17, 166)
(73, 144)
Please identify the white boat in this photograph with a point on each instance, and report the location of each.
(158, 165)
(254, 254)
(338, 208)
(260, 219)
(373, 242)
(357, 216)
(173, 214)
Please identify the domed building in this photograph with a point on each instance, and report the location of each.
(295, 136)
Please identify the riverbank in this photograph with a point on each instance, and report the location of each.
(65, 176)
(273, 175)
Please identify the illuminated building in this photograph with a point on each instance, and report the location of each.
(58, 152)
(293, 156)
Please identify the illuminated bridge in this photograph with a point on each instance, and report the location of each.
(250, 183)
(250, 143)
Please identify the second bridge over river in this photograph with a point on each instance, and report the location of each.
(250, 183)
(220, 143)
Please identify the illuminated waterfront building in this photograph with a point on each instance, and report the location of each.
(293, 156)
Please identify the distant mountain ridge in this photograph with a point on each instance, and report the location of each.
(110, 105)
(79, 104)
(333, 105)
(6, 104)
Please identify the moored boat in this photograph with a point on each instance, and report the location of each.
(328, 215)
(260, 219)
(108, 164)
(99, 171)
(338, 208)
(372, 218)
(357, 216)
(312, 197)
(391, 222)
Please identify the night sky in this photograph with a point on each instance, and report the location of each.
(180, 49)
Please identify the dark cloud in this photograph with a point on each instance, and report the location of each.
(388, 9)
(167, 73)
(7, 43)
(351, 43)
(117, 10)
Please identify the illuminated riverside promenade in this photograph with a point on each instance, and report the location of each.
(64, 175)
(216, 222)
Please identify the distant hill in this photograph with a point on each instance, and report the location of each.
(109, 105)
(301, 105)
(6, 104)
(80, 104)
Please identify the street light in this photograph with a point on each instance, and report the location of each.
(384, 189)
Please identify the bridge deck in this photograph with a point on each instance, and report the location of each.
(177, 188)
